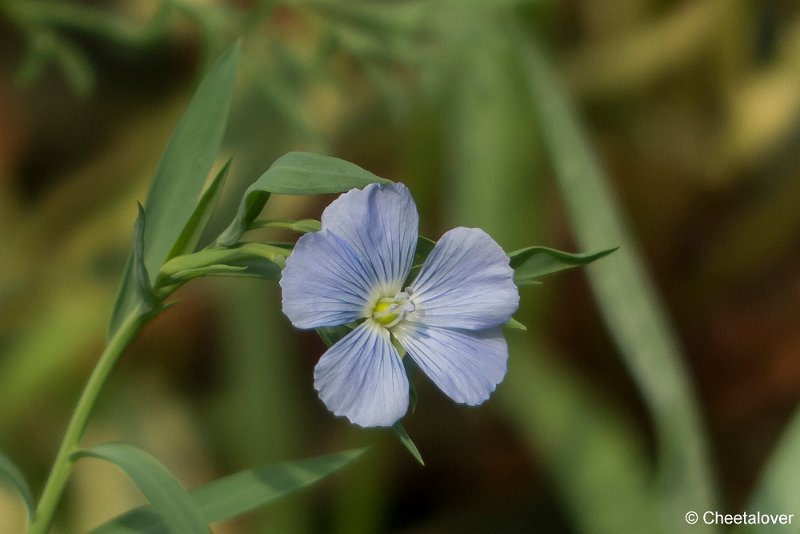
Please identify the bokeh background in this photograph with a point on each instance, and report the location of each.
(668, 371)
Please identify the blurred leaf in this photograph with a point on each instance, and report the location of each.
(45, 46)
(628, 300)
(11, 474)
(190, 235)
(239, 493)
(182, 171)
(179, 511)
(407, 442)
(532, 263)
(592, 454)
(296, 173)
(778, 492)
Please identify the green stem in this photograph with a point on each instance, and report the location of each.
(62, 466)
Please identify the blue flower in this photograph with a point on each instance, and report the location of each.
(448, 319)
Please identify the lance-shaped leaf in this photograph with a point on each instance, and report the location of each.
(236, 494)
(626, 296)
(188, 239)
(296, 173)
(407, 442)
(182, 171)
(532, 263)
(143, 291)
(777, 490)
(10, 473)
(179, 512)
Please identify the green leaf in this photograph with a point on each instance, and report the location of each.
(513, 324)
(629, 301)
(405, 439)
(777, 490)
(595, 458)
(253, 259)
(194, 227)
(178, 510)
(141, 280)
(239, 493)
(11, 474)
(303, 226)
(532, 263)
(296, 173)
(182, 171)
(424, 247)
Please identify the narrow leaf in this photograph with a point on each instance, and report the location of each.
(407, 442)
(141, 281)
(12, 474)
(777, 491)
(178, 510)
(625, 294)
(513, 324)
(532, 263)
(592, 453)
(190, 235)
(241, 492)
(303, 226)
(181, 173)
(243, 257)
(296, 173)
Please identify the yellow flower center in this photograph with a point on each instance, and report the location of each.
(389, 311)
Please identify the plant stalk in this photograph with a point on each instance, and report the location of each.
(62, 466)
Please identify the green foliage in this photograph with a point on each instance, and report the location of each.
(141, 281)
(194, 227)
(173, 197)
(303, 226)
(777, 490)
(241, 492)
(628, 300)
(532, 263)
(11, 474)
(245, 259)
(407, 442)
(296, 173)
(178, 510)
(592, 454)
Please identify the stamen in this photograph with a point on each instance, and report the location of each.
(389, 311)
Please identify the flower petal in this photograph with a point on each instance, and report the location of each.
(380, 222)
(362, 377)
(465, 282)
(465, 365)
(325, 282)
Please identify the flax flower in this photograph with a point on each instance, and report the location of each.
(447, 320)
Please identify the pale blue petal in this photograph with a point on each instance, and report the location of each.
(465, 365)
(325, 282)
(362, 378)
(380, 222)
(466, 282)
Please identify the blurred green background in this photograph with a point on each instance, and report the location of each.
(656, 382)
